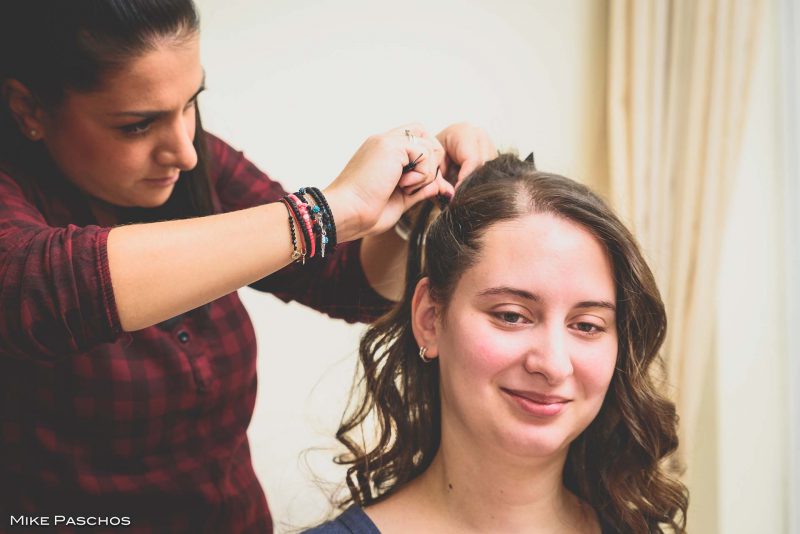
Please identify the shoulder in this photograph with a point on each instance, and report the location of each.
(352, 521)
(219, 152)
(11, 180)
(224, 161)
(237, 182)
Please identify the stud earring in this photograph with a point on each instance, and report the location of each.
(422, 351)
(34, 133)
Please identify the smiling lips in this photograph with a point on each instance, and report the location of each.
(537, 404)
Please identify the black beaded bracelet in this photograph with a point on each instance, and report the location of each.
(325, 228)
(321, 201)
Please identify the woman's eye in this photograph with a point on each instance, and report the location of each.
(510, 317)
(589, 328)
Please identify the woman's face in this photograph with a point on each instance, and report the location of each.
(127, 141)
(528, 344)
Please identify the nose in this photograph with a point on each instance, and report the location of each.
(176, 149)
(549, 354)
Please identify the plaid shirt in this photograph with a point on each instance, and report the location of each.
(147, 425)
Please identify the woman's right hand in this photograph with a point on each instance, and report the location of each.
(372, 192)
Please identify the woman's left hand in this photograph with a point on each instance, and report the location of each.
(466, 147)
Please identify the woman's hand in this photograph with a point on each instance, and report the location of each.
(466, 147)
(372, 191)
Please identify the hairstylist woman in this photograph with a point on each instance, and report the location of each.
(127, 362)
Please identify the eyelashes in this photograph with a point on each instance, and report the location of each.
(137, 128)
(143, 126)
(589, 328)
(510, 317)
(515, 319)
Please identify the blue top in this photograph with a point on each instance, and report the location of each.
(352, 521)
(355, 521)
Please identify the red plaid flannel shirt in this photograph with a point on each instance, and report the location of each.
(147, 425)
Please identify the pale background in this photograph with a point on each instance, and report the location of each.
(299, 84)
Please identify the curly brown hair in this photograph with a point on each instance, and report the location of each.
(617, 463)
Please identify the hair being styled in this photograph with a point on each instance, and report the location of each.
(616, 464)
(55, 46)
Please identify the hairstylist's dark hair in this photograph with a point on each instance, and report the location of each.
(52, 46)
(616, 464)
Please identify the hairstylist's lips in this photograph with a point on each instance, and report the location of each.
(537, 404)
(163, 182)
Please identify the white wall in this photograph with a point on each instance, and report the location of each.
(298, 85)
(791, 379)
(789, 54)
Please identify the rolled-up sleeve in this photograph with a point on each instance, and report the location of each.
(55, 287)
(336, 286)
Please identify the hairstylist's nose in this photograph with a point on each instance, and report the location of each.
(549, 356)
(176, 149)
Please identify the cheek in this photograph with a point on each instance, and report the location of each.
(595, 369)
(86, 153)
(76, 146)
(479, 351)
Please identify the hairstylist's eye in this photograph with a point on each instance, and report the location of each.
(137, 128)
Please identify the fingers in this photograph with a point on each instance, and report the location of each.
(467, 167)
(481, 151)
(440, 186)
(412, 129)
(425, 155)
(467, 147)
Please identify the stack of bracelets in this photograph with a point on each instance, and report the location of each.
(310, 212)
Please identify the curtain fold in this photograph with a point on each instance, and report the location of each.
(679, 77)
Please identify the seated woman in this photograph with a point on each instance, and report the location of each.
(511, 390)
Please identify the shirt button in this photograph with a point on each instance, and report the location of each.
(183, 336)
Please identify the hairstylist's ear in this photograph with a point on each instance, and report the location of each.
(24, 108)
(424, 315)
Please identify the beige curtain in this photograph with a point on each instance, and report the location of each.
(679, 75)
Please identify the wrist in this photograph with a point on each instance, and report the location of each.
(349, 224)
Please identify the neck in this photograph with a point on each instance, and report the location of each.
(506, 494)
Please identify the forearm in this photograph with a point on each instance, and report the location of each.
(383, 258)
(163, 269)
(160, 270)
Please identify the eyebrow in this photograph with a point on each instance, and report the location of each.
(158, 113)
(596, 304)
(506, 290)
(527, 295)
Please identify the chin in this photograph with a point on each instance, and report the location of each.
(538, 443)
(155, 201)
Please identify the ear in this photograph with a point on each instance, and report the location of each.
(425, 318)
(25, 108)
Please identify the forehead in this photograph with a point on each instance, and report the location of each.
(545, 254)
(159, 78)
